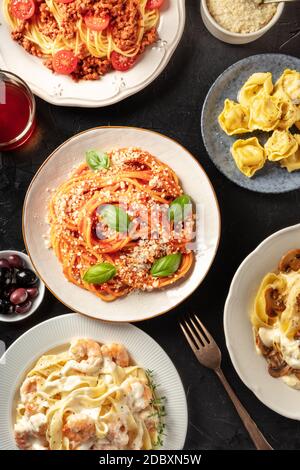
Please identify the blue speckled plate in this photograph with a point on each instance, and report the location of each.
(272, 178)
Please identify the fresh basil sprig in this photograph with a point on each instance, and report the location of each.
(166, 265)
(100, 273)
(180, 208)
(96, 161)
(115, 217)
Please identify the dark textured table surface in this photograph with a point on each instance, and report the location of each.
(172, 106)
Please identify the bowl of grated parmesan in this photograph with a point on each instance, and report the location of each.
(239, 21)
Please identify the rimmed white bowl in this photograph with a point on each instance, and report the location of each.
(235, 38)
(136, 306)
(251, 367)
(112, 87)
(13, 317)
(58, 331)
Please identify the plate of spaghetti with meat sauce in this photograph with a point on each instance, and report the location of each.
(88, 52)
(122, 224)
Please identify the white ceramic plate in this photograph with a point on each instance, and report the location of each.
(114, 86)
(251, 367)
(13, 317)
(59, 331)
(136, 306)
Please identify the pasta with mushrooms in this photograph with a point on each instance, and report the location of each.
(275, 318)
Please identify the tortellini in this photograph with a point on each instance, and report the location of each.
(257, 84)
(265, 113)
(248, 155)
(281, 144)
(263, 106)
(292, 163)
(289, 112)
(234, 118)
(289, 83)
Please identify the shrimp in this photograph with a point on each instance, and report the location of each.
(79, 428)
(31, 431)
(85, 349)
(118, 434)
(86, 355)
(117, 353)
(29, 387)
(137, 393)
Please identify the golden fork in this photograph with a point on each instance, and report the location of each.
(208, 354)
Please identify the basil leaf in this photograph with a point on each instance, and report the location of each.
(115, 217)
(99, 273)
(166, 266)
(96, 161)
(180, 208)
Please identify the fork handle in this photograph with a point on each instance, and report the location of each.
(257, 437)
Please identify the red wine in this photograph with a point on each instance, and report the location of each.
(16, 125)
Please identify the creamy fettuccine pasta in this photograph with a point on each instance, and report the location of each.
(89, 397)
(276, 319)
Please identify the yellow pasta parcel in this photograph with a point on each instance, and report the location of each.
(289, 83)
(248, 155)
(257, 84)
(265, 113)
(289, 112)
(234, 118)
(281, 145)
(292, 163)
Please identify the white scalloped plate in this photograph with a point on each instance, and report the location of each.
(58, 331)
(251, 367)
(114, 86)
(136, 306)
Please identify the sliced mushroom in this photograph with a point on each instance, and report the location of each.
(279, 371)
(290, 261)
(274, 302)
(278, 368)
(261, 346)
(296, 372)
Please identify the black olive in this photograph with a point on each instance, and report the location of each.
(5, 277)
(5, 306)
(26, 278)
(8, 290)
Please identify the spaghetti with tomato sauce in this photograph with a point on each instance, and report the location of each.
(120, 223)
(84, 38)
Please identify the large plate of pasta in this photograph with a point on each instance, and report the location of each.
(261, 321)
(100, 227)
(100, 402)
(98, 52)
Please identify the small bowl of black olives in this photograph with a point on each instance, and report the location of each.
(21, 291)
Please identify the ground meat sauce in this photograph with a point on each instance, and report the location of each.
(124, 26)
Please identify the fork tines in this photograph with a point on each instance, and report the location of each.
(195, 332)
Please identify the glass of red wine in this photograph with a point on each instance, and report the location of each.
(17, 111)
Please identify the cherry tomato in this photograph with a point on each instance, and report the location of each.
(64, 62)
(121, 62)
(154, 4)
(96, 23)
(22, 9)
(64, 1)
